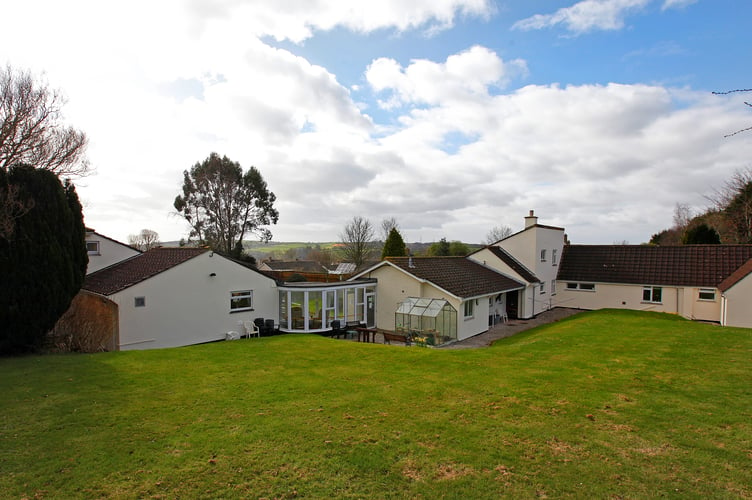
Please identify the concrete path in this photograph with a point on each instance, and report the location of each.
(503, 330)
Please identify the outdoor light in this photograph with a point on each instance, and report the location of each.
(212, 275)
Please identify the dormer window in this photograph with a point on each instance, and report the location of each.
(543, 255)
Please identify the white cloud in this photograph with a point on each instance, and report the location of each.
(671, 4)
(296, 20)
(463, 76)
(585, 16)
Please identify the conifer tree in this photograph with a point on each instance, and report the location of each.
(394, 246)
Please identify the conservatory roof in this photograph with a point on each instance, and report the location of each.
(422, 306)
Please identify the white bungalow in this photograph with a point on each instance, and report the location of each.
(169, 297)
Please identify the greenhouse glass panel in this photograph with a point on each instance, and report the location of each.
(434, 320)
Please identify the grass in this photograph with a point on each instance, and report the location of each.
(612, 404)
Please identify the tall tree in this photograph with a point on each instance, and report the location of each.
(497, 233)
(357, 240)
(701, 234)
(386, 227)
(439, 249)
(222, 204)
(394, 246)
(734, 201)
(44, 263)
(32, 133)
(458, 248)
(145, 240)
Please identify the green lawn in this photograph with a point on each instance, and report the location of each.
(601, 405)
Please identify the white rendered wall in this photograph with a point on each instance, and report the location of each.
(739, 304)
(185, 305)
(110, 252)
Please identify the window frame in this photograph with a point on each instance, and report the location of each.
(543, 255)
(542, 288)
(240, 295)
(97, 250)
(469, 306)
(580, 287)
(553, 257)
(651, 291)
(706, 291)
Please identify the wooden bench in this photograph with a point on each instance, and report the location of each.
(388, 337)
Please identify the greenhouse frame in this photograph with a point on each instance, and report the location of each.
(432, 319)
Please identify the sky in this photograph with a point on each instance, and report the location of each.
(452, 116)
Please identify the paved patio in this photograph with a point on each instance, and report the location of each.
(503, 330)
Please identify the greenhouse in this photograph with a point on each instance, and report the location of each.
(433, 319)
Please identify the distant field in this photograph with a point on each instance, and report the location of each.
(281, 247)
(611, 404)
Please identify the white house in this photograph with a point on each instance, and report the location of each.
(701, 282)
(104, 251)
(531, 256)
(169, 297)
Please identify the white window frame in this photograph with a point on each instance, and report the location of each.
(553, 257)
(469, 309)
(651, 291)
(553, 287)
(543, 288)
(239, 295)
(94, 251)
(706, 291)
(580, 287)
(543, 255)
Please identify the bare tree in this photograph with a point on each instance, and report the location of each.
(682, 216)
(32, 131)
(386, 227)
(734, 200)
(357, 238)
(32, 134)
(145, 240)
(745, 102)
(497, 233)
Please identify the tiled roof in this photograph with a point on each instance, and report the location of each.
(516, 266)
(457, 275)
(131, 271)
(683, 265)
(736, 276)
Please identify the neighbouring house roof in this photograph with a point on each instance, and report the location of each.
(138, 268)
(736, 276)
(459, 276)
(302, 266)
(684, 265)
(516, 265)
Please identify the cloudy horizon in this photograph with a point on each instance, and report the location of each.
(452, 116)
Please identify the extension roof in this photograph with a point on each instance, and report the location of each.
(516, 265)
(459, 276)
(301, 266)
(684, 265)
(129, 272)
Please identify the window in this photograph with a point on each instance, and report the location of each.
(652, 294)
(543, 255)
(469, 309)
(241, 300)
(139, 302)
(542, 288)
(707, 294)
(92, 247)
(590, 287)
(553, 287)
(553, 257)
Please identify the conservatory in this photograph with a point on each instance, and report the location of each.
(310, 307)
(433, 319)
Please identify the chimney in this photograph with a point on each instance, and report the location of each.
(531, 219)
